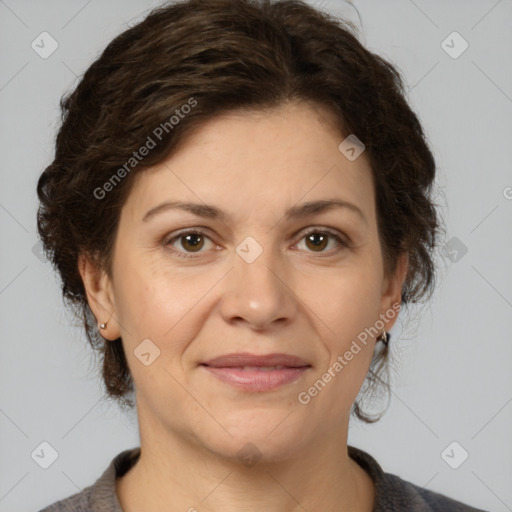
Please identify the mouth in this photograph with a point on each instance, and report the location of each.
(253, 373)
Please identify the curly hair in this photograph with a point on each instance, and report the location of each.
(190, 61)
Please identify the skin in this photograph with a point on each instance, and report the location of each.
(294, 298)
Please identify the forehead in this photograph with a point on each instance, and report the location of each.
(250, 160)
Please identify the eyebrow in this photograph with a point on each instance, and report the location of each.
(295, 212)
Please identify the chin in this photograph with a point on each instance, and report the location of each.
(250, 451)
(265, 437)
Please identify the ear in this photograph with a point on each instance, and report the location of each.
(100, 297)
(392, 290)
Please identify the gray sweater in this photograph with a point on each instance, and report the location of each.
(392, 494)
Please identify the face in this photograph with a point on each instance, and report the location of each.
(256, 272)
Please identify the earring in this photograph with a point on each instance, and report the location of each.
(385, 337)
(103, 325)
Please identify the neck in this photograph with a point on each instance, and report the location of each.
(184, 475)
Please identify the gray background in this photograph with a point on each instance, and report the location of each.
(452, 378)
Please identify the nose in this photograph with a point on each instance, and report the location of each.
(259, 294)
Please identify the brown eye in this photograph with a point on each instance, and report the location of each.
(316, 240)
(187, 243)
(192, 242)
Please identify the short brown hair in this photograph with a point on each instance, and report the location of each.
(227, 55)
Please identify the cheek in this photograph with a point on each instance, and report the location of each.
(349, 342)
(134, 300)
(166, 307)
(347, 306)
(347, 299)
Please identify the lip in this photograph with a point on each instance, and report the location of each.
(238, 360)
(230, 370)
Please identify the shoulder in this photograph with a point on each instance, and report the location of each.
(392, 493)
(100, 496)
(79, 502)
(421, 499)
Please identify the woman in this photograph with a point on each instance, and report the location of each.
(238, 207)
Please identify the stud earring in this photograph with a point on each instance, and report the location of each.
(385, 337)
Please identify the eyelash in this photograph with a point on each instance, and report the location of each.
(196, 231)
